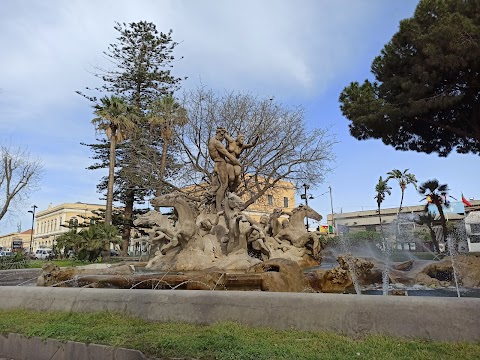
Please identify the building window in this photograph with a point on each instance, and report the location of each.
(73, 222)
(270, 200)
(285, 202)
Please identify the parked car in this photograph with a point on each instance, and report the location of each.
(5, 253)
(44, 254)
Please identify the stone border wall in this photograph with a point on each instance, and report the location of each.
(434, 318)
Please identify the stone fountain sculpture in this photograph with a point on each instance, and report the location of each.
(219, 234)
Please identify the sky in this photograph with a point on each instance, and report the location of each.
(302, 53)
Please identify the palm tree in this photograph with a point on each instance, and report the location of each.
(117, 119)
(404, 178)
(428, 219)
(382, 189)
(165, 113)
(89, 242)
(438, 196)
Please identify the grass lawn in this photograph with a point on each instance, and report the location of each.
(222, 341)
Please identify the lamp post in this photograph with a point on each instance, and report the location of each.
(33, 221)
(305, 197)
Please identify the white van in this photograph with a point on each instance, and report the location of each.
(43, 254)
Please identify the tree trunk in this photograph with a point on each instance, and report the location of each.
(111, 173)
(127, 218)
(401, 202)
(381, 229)
(163, 165)
(436, 248)
(442, 220)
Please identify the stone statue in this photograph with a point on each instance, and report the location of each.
(236, 147)
(185, 228)
(158, 227)
(226, 237)
(219, 154)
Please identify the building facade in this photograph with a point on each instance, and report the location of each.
(57, 220)
(10, 241)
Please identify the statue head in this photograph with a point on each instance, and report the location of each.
(220, 133)
(264, 219)
(240, 139)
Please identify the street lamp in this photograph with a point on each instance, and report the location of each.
(33, 221)
(305, 197)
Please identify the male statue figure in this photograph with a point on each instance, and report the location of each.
(236, 147)
(219, 154)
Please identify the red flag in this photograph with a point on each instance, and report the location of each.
(465, 201)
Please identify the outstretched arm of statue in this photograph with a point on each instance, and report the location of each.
(248, 146)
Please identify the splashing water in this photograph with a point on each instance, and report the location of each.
(386, 251)
(350, 264)
(452, 253)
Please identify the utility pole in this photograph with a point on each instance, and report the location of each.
(331, 206)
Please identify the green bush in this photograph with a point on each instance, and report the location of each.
(88, 243)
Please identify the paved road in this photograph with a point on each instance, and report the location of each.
(24, 277)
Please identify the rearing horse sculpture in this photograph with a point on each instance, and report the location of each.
(298, 215)
(296, 233)
(185, 227)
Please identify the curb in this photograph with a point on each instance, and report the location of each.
(19, 347)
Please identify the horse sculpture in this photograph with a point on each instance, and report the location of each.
(242, 230)
(158, 227)
(298, 215)
(296, 233)
(185, 227)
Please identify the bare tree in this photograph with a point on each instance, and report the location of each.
(20, 174)
(286, 148)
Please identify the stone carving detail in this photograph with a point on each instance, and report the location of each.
(226, 238)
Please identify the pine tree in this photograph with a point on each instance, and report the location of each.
(425, 96)
(142, 58)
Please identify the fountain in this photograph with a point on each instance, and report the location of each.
(214, 244)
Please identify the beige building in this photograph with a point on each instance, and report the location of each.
(56, 220)
(282, 196)
(16, 240)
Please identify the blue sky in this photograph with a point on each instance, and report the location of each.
(301, 52)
